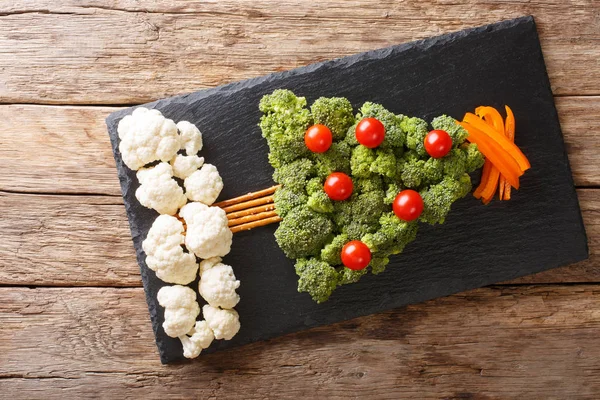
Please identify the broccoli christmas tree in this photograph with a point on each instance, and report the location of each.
(315, 227)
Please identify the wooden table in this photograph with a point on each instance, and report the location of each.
(73, 320)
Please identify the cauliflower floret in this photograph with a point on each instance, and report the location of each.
(204, 185)
(164, 254)
(218, 284)
(208, 234)
(158, 189)
(147, 136)
(199, 338)
(181, 309)
(224, 323)
(191, 138)
(184, 166)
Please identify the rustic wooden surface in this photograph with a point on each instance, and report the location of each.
(73, 320)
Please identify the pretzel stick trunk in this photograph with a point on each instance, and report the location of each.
(250, 196)
(255, 224)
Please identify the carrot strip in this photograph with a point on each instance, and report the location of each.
(485, 173)
(509, 131)
(500, 139)
(499, 157)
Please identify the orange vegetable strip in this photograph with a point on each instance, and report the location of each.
(501, 185)
(509, 128)
(485, 173)
(491, 185)
(492, 117)
(497, 156)
(500, 139)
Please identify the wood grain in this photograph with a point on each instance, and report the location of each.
(85, 241)
(500, 342)
(66, 149)
(123, 52)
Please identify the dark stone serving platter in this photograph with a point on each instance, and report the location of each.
(539, 229)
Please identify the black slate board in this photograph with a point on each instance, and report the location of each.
(541, 228)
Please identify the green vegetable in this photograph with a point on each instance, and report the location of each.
(438, 198)
(360, 163)
(303, 233)
(449, 124)
(314, 228)
(295, 174)
(395, 136)
(286, 199)
(416, 129)
(316, 278)
(335, 113)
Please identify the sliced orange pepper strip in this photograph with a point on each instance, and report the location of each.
(492, 117)
(485, 173)
(509, 131)
(492, 184)
(499, 157)
(500, 139)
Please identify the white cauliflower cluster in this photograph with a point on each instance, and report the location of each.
(158, 189)
(218, 284)
(181, 309)
(191, 138)
(224, 323)
(204, 185)
(147, 136)
(184, 166)
(208, 234)
(164, 254)
(196, 340)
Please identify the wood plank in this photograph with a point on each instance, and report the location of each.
(68, 52)
(85, 241)
(66, 149)
(500, 342)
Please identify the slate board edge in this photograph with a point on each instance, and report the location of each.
(234, 88)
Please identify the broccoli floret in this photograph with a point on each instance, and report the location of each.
(433, 171)
(394, 135)
(336, 159)
(378, 264)
(360, 163)
(385, 163)
(295, 175)
(355, 230)
(392, 191)
(316, 278)
(438, 199)
(303, 233)
(449, 124)
(350, 137)
(286, 199)
(314, 185)
(412, 173)
(320, 202)
(335, 113)
(392, 236)
(283, 124)
(331, 253)
(348, 275)
(370, 184)
(455, 163)
(360, 214)
(416, 130)
(475, 159)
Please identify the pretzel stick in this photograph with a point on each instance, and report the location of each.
(248, 204)
(249, 196)
(250, 218)
(250, 211)
(255, 224)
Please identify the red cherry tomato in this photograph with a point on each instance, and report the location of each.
(438, 143)
(318, 138)
(408, 205)
(356, 255)
(338, 186)
(370, 132)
